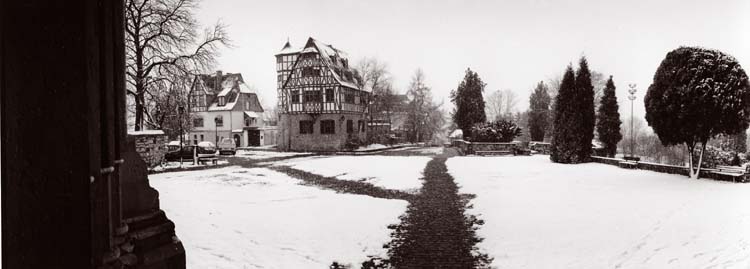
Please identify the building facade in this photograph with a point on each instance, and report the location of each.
(223, 106)
(321, 107)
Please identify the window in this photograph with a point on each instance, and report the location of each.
(198, 122)
(349, 97)
(313, 96)
(222, 101)
(329, 95)
(247, 105)
(327, 127)
(349, 126)
(295, 96)
(361, 125)
(219, 121)
(201, 138)
(305, 127)
(311, 72)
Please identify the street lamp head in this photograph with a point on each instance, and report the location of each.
(632, 89)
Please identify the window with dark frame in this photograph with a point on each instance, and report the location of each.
(313, 96)
(295, 96)
(349, 97)
(198, 122)
(327, 127)
(305, 127)
(329, 95)
(349, 126)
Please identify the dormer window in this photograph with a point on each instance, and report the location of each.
(222, 101)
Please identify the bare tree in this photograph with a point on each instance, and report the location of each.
(494, 105)
(375, 77)
(167, 97)
(510, 103)
(424, 117)
(162, 41)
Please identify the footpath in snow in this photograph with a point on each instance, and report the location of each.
(238, 217)
(539, 214)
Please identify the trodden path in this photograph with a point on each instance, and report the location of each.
(435, 231)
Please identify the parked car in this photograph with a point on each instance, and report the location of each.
(227, 147)
(205, 149)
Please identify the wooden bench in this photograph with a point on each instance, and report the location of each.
(628, 164)
(493, 152)
(731, 173)
(738, 170)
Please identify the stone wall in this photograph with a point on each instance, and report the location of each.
(290, 139)
(150, 145)
(465, 147)
(673, 169)
(541, 147)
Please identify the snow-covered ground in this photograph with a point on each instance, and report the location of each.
(236, 217)
(390, 172)
(544, 215)
(262, 155)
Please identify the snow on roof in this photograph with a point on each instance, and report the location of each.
(228, 106)
(326, 51)
(224, 91)
(458, 133)
(206, 144)
(146, 132)
(288, 49)
(246, 89)
(252, 114)
(173, 143)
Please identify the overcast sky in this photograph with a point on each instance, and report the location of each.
(511, 44)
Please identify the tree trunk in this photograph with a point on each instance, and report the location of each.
(700, 161)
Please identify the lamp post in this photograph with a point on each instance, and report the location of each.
(180, 111)
(216, 130)
(632, 91)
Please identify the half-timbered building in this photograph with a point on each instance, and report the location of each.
(321, 105)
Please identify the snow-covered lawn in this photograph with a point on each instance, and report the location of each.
(236, 217)
(544, 215)
(390, 172)
(261, 155)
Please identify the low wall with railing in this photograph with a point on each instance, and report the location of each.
(674, 169)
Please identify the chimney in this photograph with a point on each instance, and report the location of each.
(217, 85)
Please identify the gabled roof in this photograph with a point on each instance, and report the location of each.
(209, 81)
(287, 49)
(326, 52)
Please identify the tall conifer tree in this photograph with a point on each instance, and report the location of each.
(539, 112)
(608, 123)
(564, 132)
(584, 104)
(469, 102)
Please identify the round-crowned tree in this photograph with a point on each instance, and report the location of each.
(697, 94)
